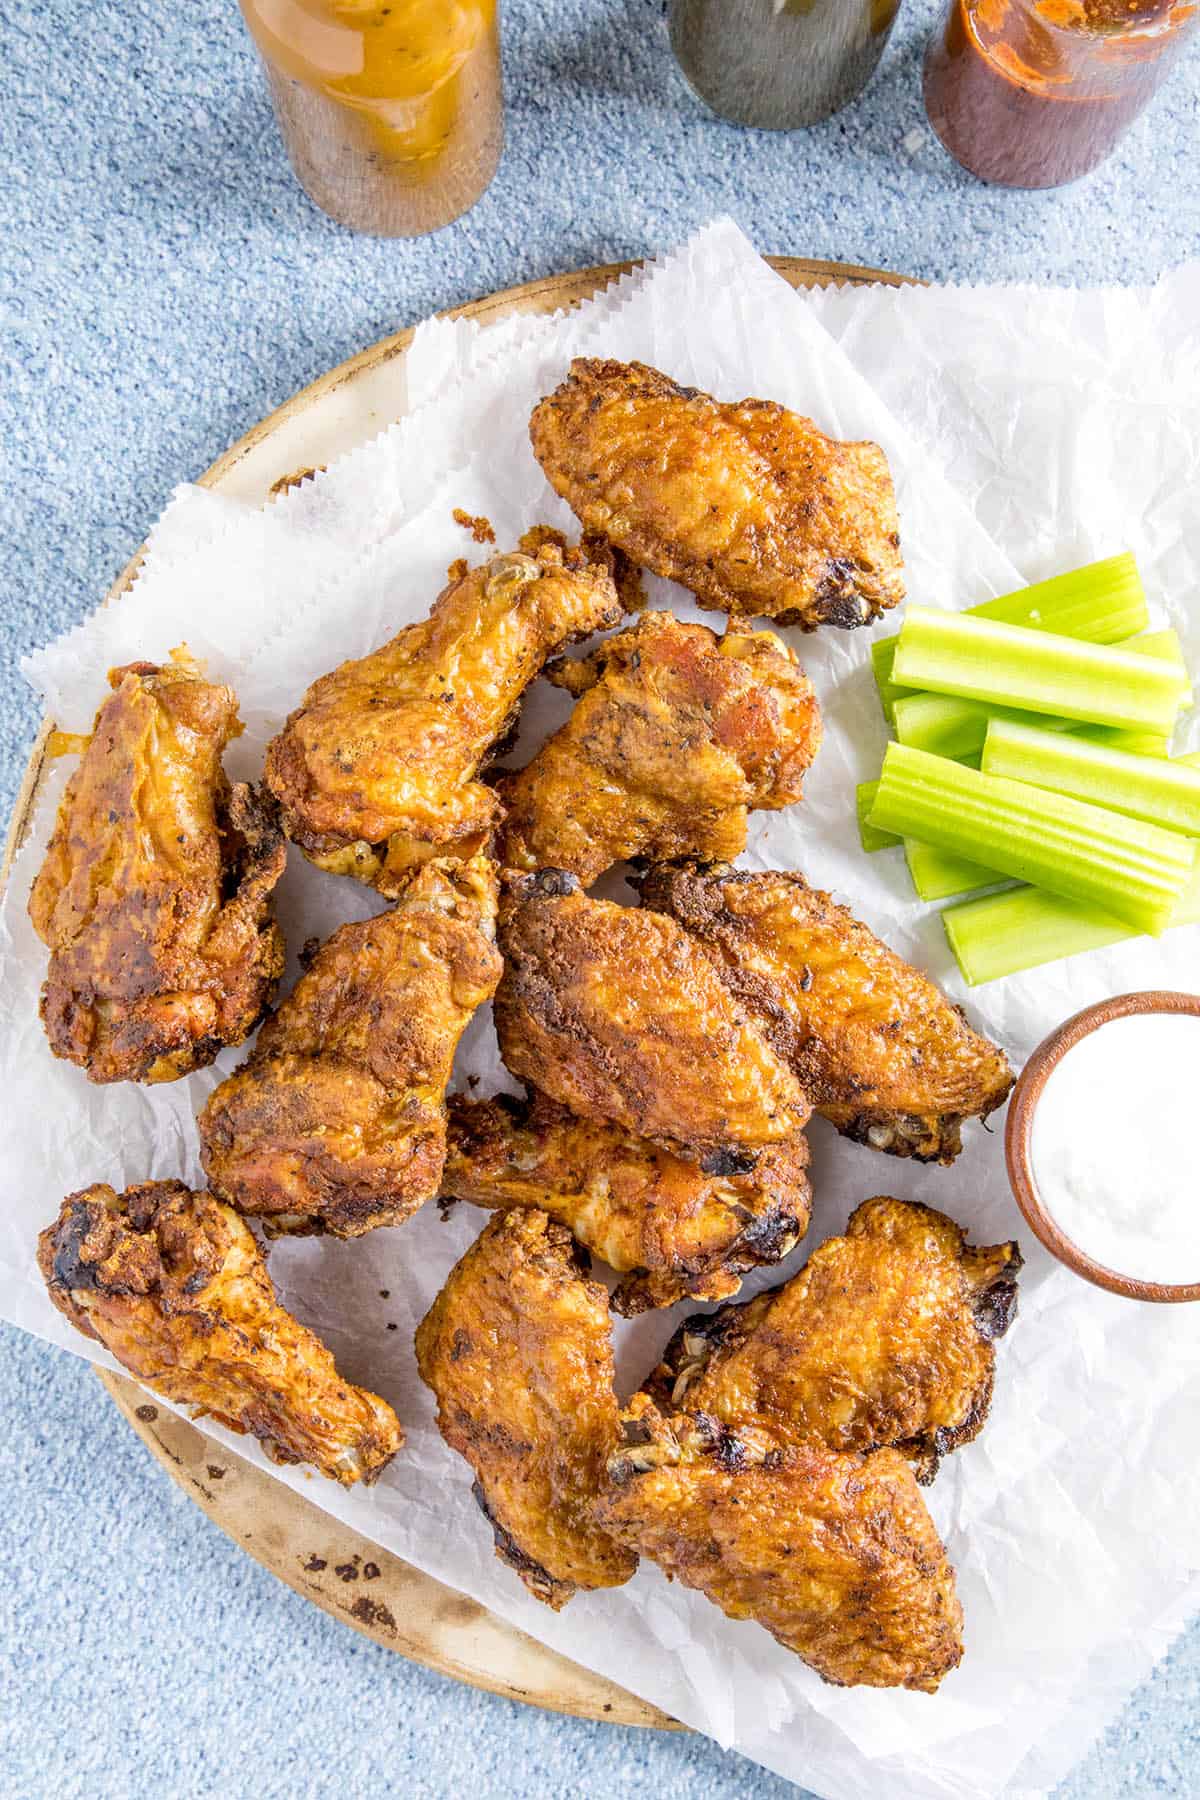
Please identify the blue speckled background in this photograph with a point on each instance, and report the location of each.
(165, 285)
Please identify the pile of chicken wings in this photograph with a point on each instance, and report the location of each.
(671, 1052)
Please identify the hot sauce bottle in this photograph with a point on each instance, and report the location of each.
(1034, 93)
(391, 110)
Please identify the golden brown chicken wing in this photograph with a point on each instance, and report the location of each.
(618, 1014)
(883, 1338)
(677, 735)
(879, 1049)
(174, 1285)
(832, 1553)
(336, 1122)
(375, 770)
(747, 504)
(155, 894)
(674, 1229)
(518, 1350)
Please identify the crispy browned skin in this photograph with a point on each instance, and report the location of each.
(618, 1014)
(517, 1348)
(674, 1229)
(173, 1283)
(880, 1050)
(676, 736)
(337, 1121)
(834, 1554)
(376, 769)
(747, 504)
(883, 1338)
(155, 894)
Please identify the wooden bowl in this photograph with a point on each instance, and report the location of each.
(1019, 1132)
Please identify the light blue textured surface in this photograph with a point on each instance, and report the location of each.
(167, 285)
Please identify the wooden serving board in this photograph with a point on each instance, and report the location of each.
(319, 1557)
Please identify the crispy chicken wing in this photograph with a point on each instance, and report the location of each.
(517, 1348)
(747, 504)
(618, 1014)
(676, 736)
(155, 894)
(883, 1338)
(672, 1228)
(834, 1554)
(879, 1049)
(173, 1283)
(375, 770)
(336, 1122)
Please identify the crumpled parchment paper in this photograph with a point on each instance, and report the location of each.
(1026, 432)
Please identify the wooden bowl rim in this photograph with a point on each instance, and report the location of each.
(1018, 1135)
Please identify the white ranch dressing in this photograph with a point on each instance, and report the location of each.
(1115, 1146)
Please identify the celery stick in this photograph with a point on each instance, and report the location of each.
(1001, 934)
(1144, 787)
(1036, 671)
(1102, 602)
(870, 839)
(1084, 852)
(948, 727)
(937, 875)
(957, 728)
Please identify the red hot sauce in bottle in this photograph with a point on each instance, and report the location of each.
(1034, 93)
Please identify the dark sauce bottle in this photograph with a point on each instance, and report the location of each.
(1034, 93)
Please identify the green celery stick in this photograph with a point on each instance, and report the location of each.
(1102, 602)
(1001, 934)
(1144, 787)
(937, 875)
(957, 728)
(948, 727)
(1036, 671)
(1125, 866)
(870, 839)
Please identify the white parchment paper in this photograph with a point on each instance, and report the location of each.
(1074, 1522)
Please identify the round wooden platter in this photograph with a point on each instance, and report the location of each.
(319, 1557)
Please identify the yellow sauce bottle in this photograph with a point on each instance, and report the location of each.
(391, 110)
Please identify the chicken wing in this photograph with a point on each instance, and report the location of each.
(832, 1553)
(618, 1014)
(884, 1338)
(747, 504)
(518, 1350)
(677, 734)
(155, 896)
(880, 1050)
(375, 770)
(336, 1121)
(174, 1285)
(673, 1229)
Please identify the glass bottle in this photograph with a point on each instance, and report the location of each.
(779, 63)
(392, 112)
(1034, 93)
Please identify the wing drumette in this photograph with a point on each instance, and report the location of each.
(337, 1121)
(883, 1338)
(155, 894)
(518, 1350)
(676, 735)
(673, 1229)
(618, 1014)
(173, 1283)
(879, 1049)
(747, 504)
(376, 769)
(834, 1554)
